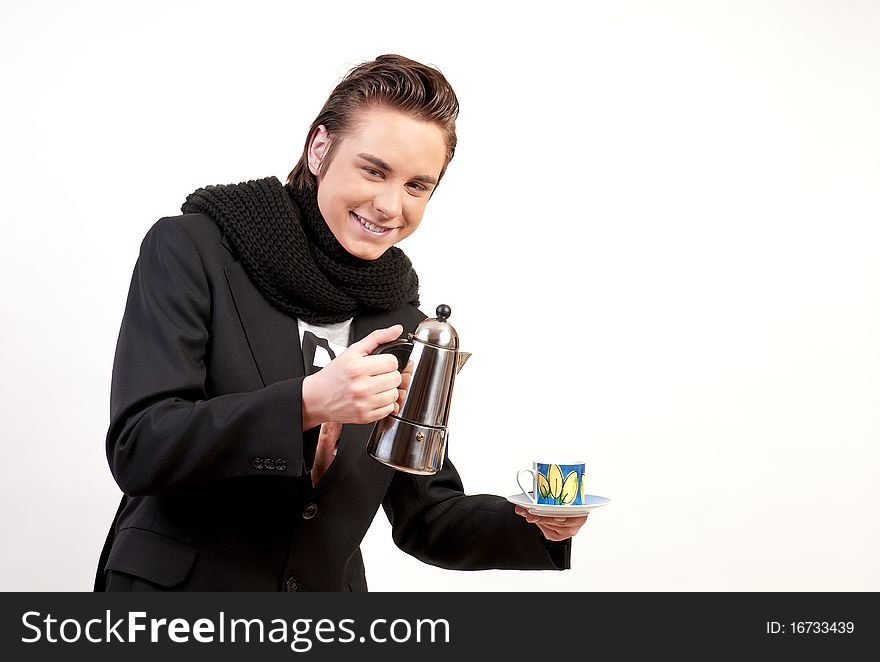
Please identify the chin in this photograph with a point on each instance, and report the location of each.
(366, 253)
(372, 255)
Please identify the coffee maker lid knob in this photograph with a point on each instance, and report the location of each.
(437, 331)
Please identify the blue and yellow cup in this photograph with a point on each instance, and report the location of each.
(555, 483)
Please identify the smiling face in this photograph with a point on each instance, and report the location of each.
(373, 192)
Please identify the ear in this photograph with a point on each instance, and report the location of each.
(318, 148)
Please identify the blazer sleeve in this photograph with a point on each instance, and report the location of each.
(165, 433)
(433, 520)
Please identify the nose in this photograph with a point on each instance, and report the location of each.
(388, 201)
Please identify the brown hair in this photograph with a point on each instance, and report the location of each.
(392, 81)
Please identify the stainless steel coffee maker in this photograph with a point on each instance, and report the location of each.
(414, 439)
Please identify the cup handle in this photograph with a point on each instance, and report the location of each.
(528, 494)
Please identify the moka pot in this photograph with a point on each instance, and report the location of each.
(414, 439)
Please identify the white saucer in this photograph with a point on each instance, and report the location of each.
(549, 510)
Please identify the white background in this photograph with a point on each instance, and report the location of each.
(659, 237)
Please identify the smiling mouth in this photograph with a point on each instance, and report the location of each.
(372, 228)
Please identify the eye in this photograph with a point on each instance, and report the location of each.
(416, 186)
(372, 172)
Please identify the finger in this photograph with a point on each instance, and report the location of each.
(529, 517)
(552, 534)
(387, 382)
(569, 527)
(566, 521)
(325, 451)
(580, 519)
(564, 531)
(526, 515)
(401, 396)
(405, 379)
(383, 399)
(570, 524)
(368, 345)
(380, 364)
(379, 413)
(329, 431)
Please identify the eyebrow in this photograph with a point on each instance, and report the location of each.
(379, 163)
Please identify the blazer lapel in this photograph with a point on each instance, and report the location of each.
(272, 335)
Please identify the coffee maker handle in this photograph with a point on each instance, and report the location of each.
(401, 348)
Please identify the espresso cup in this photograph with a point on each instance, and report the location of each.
(555, 483)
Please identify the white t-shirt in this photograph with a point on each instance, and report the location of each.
(321, 343)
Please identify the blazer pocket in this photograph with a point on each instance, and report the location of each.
(151, 556)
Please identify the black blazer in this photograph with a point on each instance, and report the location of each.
(206, 442)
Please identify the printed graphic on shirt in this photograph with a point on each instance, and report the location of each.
(316, 352)
(322, 343)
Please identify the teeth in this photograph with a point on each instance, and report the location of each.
(372, 226)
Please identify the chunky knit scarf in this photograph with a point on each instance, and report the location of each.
(293, 258)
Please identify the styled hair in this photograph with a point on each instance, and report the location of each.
(389, 81)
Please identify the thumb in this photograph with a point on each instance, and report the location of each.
(378, 337)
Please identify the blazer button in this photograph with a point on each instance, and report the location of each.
(280, 464)
(269, 463)
(258, 463)
(310, 511)
(292, 585)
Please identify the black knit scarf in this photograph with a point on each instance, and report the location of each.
(293, 258)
